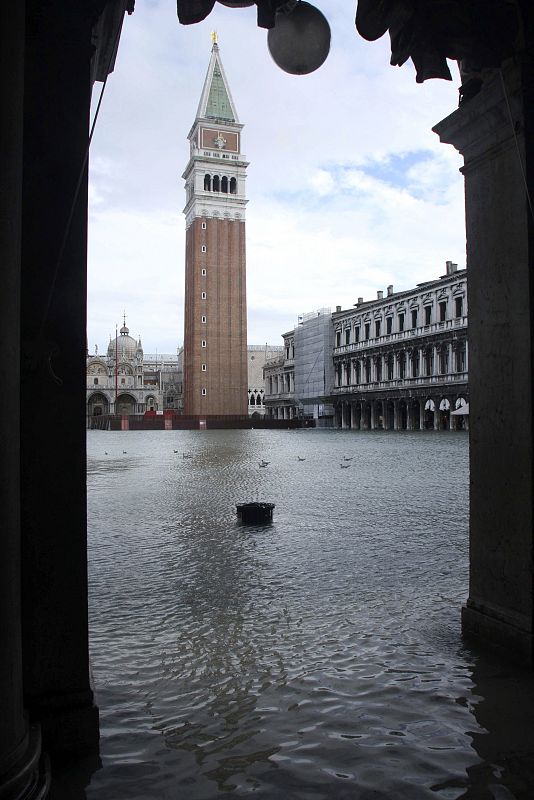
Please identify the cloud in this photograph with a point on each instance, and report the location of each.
(349, 190)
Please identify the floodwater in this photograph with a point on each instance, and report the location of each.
(317, 657)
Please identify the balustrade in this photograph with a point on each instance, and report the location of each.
(411, 333)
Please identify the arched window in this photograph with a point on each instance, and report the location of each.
(207, 183)
(444, 359)
(216, 184)
(233, 186)
(402, 365)
(415, 364)
(252, 400)
(224, 184)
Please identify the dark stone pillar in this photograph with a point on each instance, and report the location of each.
(20, 744)
(53, 325)
(495, 133)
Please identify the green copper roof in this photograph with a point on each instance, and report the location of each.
(218, 105)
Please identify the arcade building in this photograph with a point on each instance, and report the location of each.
(398, 362)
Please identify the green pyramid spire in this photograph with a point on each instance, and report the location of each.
(216, 101)
(218, 105)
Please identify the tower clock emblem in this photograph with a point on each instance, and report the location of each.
(220, 141)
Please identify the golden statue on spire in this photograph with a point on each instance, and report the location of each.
(214, 37)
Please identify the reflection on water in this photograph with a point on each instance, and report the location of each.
(317, 657)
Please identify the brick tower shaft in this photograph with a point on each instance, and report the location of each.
(215, 336)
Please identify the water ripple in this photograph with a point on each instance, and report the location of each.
(317, 657)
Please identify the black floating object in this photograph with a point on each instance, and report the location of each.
(300, 40)
(255, 513)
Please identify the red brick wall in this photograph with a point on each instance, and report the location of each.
(225, 309)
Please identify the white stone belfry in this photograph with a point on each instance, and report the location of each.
(216, 172)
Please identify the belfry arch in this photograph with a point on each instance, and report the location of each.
(45, 103)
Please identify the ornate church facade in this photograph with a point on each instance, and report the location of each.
(126, 381)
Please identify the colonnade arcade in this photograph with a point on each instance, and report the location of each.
(282, 412)
(430, 361)
(424, 412)
(103, 402)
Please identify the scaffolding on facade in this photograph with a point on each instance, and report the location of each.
(314, 371)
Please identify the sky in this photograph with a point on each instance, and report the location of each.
(348, 188)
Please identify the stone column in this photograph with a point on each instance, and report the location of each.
(436, 415)
(19, 743)
(494, 131)
(57, 85)
(373, 415)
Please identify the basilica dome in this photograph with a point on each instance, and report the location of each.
(127, 346)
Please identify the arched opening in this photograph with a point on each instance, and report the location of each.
(402, 415)
(378, 368)
(415, 363)
(207, 183)
(125, 404)
(97, 405)
(430, 408)
(444, 414)
(390, 367)
(224, 184)
(444, 359)
(492, 309)
(380, 414)
(415, 413)
(460, 416)
(402, 365)
(366, 416)
(216, 183)
(389, 417)
(233, 186)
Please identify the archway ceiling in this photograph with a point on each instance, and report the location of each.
(480, 33)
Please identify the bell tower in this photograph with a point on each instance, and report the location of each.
(215, 336)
